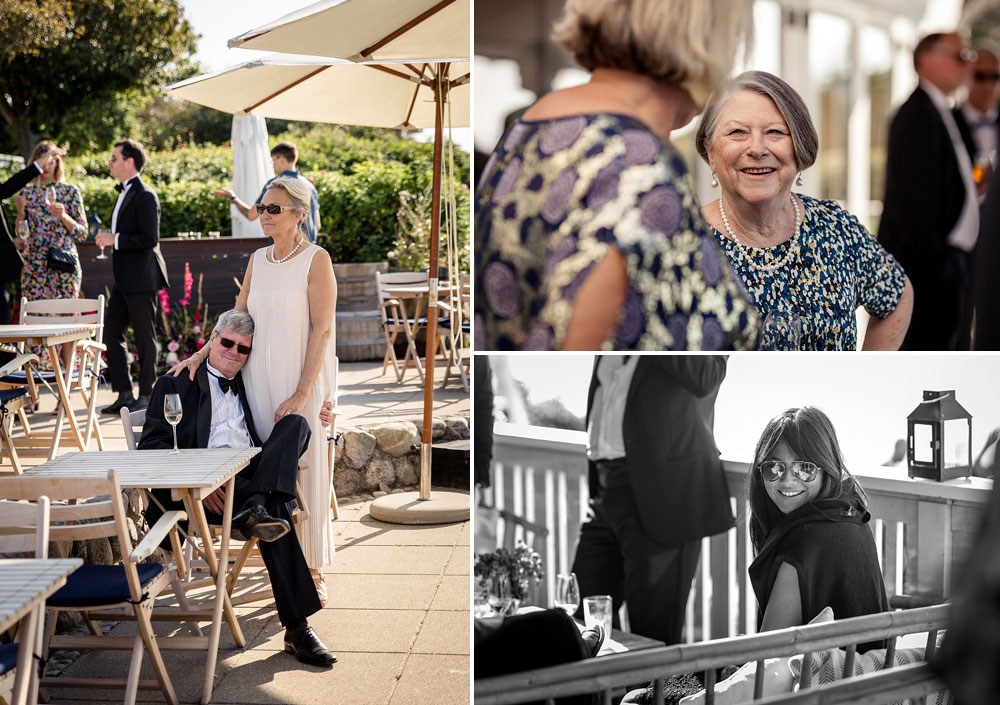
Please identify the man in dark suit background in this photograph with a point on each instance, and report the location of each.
(656, 484)
(10, 258)
(139, 273)
(217, 415)
(930, 220)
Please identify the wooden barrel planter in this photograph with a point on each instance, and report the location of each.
(359, 325)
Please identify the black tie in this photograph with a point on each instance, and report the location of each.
(226, 384)
(119, 188)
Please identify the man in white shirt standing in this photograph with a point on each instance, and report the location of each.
(216, 414)
(930, 219)
(139, 273)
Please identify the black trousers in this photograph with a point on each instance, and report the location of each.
(616, 557)
(273, 470)
(139, 311)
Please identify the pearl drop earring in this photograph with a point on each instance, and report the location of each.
(798, 179)
(715, 180)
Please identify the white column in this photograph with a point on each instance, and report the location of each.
(859, 134)
(795, 70)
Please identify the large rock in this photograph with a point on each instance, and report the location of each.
(407, 470)
(346, 481)
(379, 471)
(338, 450)
(438, 430)
(396, 438)
(457, 428)
(358, 447)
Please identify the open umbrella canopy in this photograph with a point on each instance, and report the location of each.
(290, 87)
(362, 30)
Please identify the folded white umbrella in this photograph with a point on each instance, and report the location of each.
(362, 30)
(289, 87)
(251, 169)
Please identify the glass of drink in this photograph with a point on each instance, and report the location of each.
(172, 412)
(50, 195)
(214, 234)
(567, 592)
(597, 610)
(782, 331)
(500, 596)
(196, 235)
(22, 232)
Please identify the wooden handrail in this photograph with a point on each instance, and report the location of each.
(609, 672)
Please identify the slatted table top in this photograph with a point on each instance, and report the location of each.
(201, 470)
(26, 582)
(37, 334)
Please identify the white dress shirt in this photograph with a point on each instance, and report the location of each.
(966, 230)
(229, 426)
(118, 204)
(605, 440)
(983, 127)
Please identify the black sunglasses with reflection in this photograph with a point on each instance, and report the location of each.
(227, 343)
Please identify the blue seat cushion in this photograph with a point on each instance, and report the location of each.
(8, 657)
(92, 585)
(21, 377)
(7, 395)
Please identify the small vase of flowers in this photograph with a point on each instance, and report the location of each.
(521, 566)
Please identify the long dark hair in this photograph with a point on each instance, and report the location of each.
(809, 434)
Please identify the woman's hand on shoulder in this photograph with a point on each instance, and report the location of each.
(291, 405)
(191, 364)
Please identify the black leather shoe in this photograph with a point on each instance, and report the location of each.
(122, 401)
(139, 404)
(255, 521)
(307, 647)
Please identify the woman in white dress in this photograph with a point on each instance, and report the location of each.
(291, 293)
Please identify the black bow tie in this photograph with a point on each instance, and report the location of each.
(119, 187)
(226, 384)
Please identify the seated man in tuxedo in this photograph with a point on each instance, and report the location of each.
(217, 415)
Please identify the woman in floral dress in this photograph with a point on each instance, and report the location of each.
(60, 223)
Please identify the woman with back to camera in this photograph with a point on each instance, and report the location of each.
(808, 519)
(797, 255)
(588, 234)
(291, 293)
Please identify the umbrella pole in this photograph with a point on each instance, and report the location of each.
(430, 353)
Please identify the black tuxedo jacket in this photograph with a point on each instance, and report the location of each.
(924, 193)
(137, 263)
(673, 464)
(10, 259)
(196, 423)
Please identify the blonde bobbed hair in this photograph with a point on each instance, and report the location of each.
(41, 148)
(675, 41)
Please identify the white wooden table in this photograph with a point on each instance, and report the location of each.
(417, 292)
(191, 475)
(50, 336)
(25, 584)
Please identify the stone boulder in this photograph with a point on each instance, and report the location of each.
(379, 471)
(396, 438)
(358, 447)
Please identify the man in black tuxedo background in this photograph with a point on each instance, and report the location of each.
(657, 485)
(139, 273)
(930, 219)
(10, 259)
(216, 414)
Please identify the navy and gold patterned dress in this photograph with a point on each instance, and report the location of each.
(840, 266)
(554, 196)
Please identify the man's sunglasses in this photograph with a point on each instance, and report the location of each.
(772, 470)
(986, 75)
(227, 343)
(272, 208)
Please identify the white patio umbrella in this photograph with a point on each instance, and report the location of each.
(412, 31)
(251, 169)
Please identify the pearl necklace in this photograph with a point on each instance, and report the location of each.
(793, 247)
(298, 244)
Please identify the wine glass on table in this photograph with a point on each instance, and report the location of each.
(172, 412)
(499, 595)
(567, 593)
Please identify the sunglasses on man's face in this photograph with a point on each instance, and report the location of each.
(272, 208)
(986, 76)
(227, 343)
(773, 470)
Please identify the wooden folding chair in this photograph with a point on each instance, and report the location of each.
(24, 528)
(396, 319)
(85, 372)
(459, 329)
(11, 403)
(131, 585)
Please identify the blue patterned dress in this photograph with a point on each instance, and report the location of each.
(840, 267)
(554, 196)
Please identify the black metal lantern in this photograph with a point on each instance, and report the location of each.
(939, 438)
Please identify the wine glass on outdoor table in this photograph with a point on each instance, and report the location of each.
(567, 593)
(172, 412)
(499, 595)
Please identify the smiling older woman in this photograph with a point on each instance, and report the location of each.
(797, 255)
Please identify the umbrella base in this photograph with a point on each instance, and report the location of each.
(444, 507)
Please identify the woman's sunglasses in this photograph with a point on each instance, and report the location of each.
(772, 470)
(227, 343)
(272, 208)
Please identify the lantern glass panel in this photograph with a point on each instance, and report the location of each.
(923, 443)
(955, 449)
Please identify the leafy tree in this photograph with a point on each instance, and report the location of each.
(104, 48)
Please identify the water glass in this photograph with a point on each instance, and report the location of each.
(172, 412)
(782, 331)
(214, 234)
(567, 592)
(597, 609)
(500, 596)
(195, 236)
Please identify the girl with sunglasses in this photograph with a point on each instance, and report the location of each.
(808, 526)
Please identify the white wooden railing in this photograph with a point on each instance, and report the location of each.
(922, 529)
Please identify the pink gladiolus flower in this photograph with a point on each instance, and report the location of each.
(185, 302)
(201, 341)
(196, 329)
(173, 346)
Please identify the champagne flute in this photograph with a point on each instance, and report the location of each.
(50, 195)
(22, 232)
(567, 592)
(173, 411)
(499, 595)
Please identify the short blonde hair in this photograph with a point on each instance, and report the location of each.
(676, 41)
(41, 148)
(298, 194)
